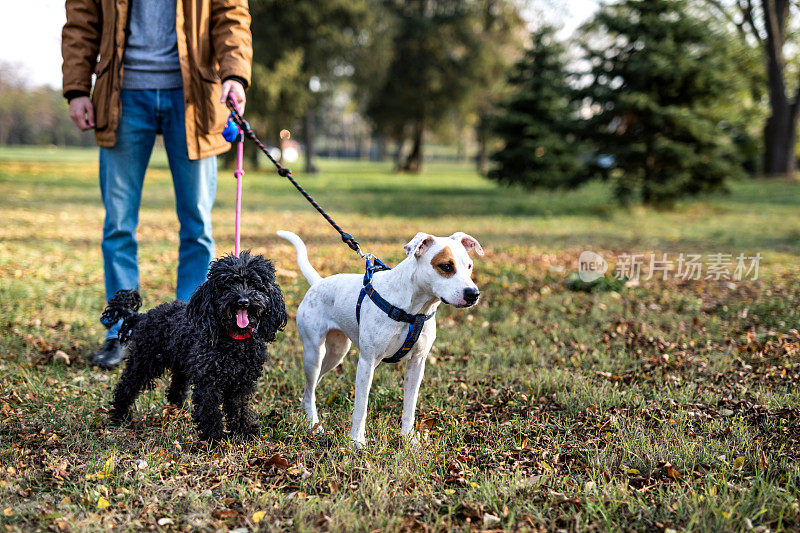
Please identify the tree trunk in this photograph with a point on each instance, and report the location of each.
(379, 142)
(780, 132)
(780, 137)
(414, 161)
(398, 154)
(482, 158)
(308, 134)
(5, 131)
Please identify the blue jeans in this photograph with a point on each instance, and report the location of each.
(146, 113)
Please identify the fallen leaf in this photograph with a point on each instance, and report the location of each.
(7, 511)
(425, 424)
(258, 516)
(165, 521)
(278, 461)
(738, 463)
(108, 466)
(671, 472)
(102, 503)
(224, 513)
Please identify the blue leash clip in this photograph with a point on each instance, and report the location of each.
(231, 130)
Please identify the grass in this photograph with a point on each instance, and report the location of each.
(666, 405)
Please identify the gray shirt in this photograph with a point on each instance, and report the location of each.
(151, 46)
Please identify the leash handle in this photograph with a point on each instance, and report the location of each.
(246, 130)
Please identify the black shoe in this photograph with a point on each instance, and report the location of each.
(110, 354)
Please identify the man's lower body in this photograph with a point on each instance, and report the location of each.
(145, 113)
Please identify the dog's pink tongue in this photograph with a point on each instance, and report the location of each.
(241, 318)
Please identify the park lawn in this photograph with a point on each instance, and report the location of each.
(667, 405)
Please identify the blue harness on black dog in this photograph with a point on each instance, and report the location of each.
(395, 313)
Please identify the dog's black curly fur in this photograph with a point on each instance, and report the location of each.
(196, 341)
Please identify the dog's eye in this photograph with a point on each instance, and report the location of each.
(446, 267)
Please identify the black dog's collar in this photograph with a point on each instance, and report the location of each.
(240, 336)
(395, 313)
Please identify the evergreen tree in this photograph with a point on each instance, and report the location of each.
(661, 83)
(537, 123)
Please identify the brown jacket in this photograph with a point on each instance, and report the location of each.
(214, 43)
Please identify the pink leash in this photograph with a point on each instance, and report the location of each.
(238, 173)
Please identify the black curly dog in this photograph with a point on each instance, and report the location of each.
(216, 343)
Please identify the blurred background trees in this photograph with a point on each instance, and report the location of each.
(301, 48)
(34, 115)
(664, 98)
(446, 60)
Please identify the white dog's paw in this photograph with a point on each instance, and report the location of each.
(358, 445)
(412, 441)
(316, 428)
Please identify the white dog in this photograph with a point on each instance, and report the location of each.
(437, 269)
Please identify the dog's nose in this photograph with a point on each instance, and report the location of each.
(243, 302)
(471, 295)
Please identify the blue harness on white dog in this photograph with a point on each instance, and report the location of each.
(395, 313)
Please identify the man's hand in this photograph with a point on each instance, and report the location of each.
(235, 89)
(81, 112)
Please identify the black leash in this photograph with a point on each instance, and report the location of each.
(287, 173)
(415, 322)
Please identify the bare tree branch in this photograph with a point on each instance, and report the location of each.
(725, 12)
(747, 10)
(775, 30)
(746, 26)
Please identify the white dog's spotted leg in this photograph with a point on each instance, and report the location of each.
(415, 369)
(364, 374)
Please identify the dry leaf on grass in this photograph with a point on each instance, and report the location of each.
(224, 514)
(278, 461)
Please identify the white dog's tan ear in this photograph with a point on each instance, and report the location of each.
(418, 244)
(468, 242)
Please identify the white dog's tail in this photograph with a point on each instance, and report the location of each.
(311, 275)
